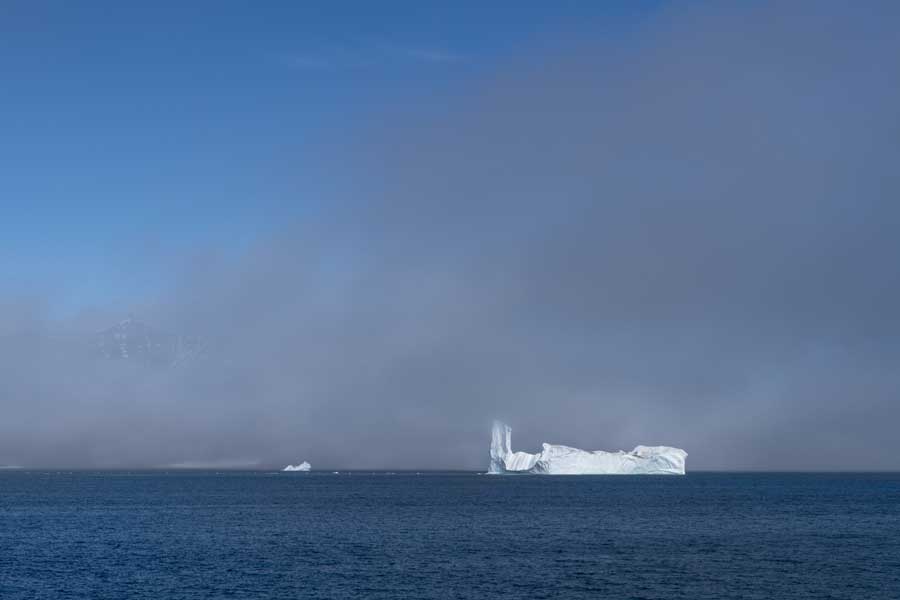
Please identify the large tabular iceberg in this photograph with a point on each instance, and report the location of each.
(302, 467)
(563, 460)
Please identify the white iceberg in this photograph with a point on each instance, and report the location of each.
(303, 467)
(563, 460)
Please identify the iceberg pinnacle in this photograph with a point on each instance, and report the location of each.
(302, 467)
(563, 460)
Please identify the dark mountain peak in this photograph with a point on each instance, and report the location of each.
(132, 339)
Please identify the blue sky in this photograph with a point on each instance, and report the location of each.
(137, 131)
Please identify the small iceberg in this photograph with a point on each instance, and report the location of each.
(563, 460)
(303, 467)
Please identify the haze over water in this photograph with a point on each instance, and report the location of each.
(607, 224)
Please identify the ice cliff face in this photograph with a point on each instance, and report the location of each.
(503, 459)
(302, 467)
(563, 460)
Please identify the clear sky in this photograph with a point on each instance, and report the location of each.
(133, 131)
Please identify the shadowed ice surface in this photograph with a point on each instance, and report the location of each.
(452, 535)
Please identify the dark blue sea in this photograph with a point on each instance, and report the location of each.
(190, 535)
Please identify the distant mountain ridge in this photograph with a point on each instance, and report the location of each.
(132, 339)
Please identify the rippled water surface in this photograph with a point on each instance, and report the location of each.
(266, 535)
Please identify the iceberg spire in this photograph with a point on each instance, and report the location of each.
(501, 447)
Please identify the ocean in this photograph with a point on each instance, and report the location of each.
(190, 535)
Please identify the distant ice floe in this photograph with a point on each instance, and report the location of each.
(224, 463)
(563, 460)
(303, 467)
